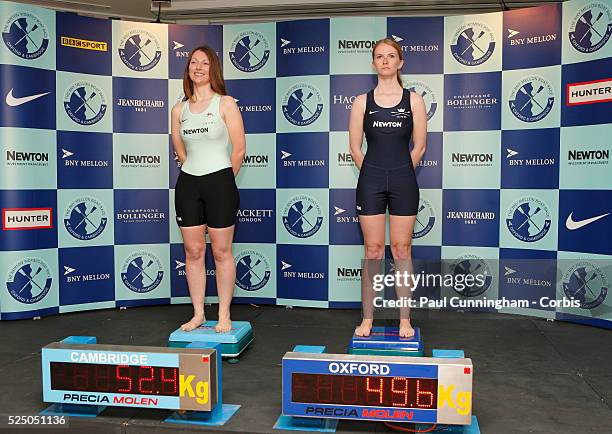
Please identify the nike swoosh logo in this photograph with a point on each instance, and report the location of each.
(371, 112)
(14, 102)
(573, 225)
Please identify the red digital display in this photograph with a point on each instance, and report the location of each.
(138, 380)
(353, 390)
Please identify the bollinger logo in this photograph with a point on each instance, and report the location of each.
(139, 50)
(429, 97)
(471, 265)
(587, 283)
(84, 103)
(425, 219)
(302, 216)
(528, 219)
(249, 51)
(531, 99)
(591, 27)
(142, 272)
(29, 280)
(252, 270)
(474, 44)
(302, 104)
(85, 218)
(25, 35)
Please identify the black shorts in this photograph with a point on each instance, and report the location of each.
(211, 199)
(396, 188)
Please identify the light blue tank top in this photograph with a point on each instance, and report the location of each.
(206, 139)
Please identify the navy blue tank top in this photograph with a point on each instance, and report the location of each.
(388, 132)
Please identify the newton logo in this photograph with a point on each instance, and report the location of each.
(473, 44)
(84, 103)
(25, 35)
(142, 272)
(302, 216)
(302, 104)
(252, 270)
(139, 50)
(29, 280)
(249, 51)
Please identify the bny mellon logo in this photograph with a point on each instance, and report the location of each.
(179, 264)
(285, 265)
(511, 153)
(338, 210)
(66, 154)
(13, 101)
(68, 270)
(177, 45)
(508, 271)
(512, 33)
(284, 42)
(285, 155)
(397, 38)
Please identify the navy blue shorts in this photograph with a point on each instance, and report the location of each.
(379, 188)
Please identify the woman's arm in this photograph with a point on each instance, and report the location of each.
(175, 128)
(233, 120)
(356, 130)
(419, 130)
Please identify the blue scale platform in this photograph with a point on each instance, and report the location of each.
(232, 343)
(387, 342)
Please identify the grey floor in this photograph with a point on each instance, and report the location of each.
(530, 376)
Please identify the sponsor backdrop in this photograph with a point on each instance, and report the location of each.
(517, 166)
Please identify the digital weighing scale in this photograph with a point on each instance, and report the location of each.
(233, 343)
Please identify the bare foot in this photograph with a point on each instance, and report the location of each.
(405, 329)
(195, 322)
(224, 324)
(364, 328)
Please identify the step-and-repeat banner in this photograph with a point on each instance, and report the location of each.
(517, 164)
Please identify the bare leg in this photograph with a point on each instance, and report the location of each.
(373, 229)
(401, 228)
(221, 240)
(195, 247)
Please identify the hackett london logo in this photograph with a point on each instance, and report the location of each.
(85, 103)
(142, 272)
(85, 218)
(429, 96)
(531, 99)
(25, 35)
(528, 219)
(254, 215)
(252, 270)
(302, 216)
(139, 50)
(591, 27)
(29, 280)
(587, 283)
(302, 104)
(249, 51)
(474, 44)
